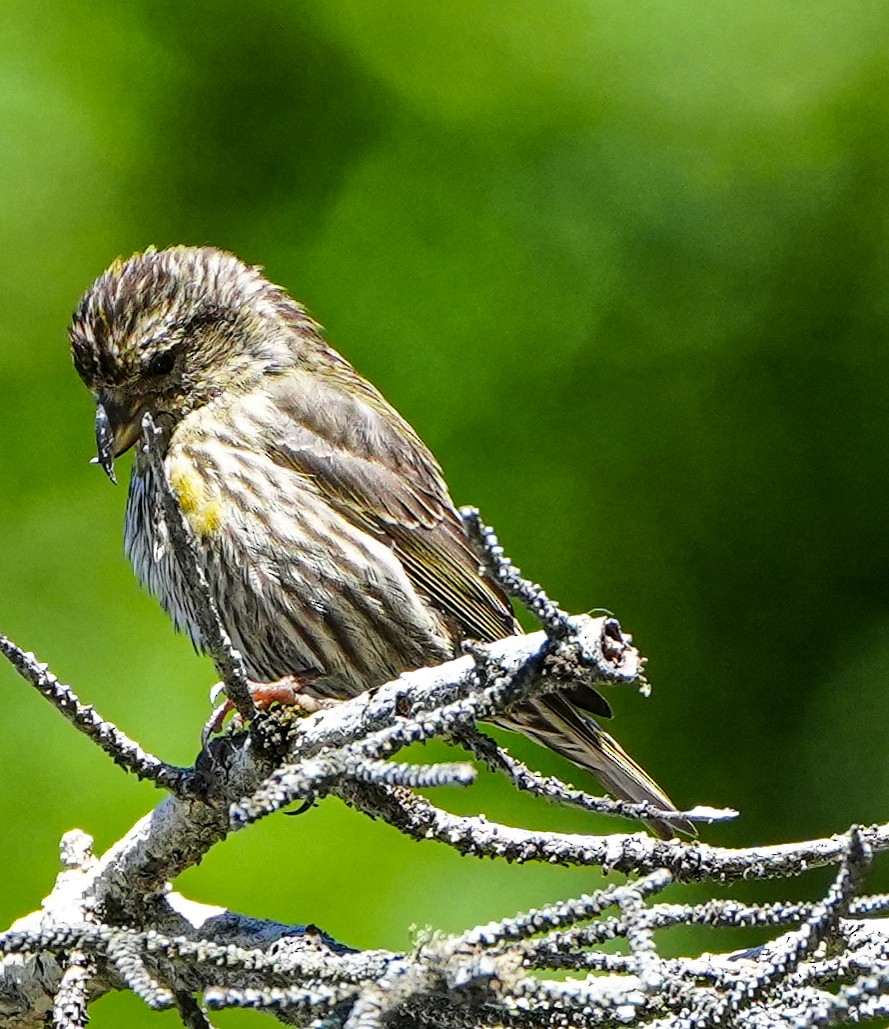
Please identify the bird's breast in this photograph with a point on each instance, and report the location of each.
(198, 497)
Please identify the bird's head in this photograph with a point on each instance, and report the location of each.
(166, 331)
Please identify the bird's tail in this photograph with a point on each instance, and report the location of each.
(556, 723)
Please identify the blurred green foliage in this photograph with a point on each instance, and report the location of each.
(625, 268)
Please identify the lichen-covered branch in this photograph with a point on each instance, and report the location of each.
(112, 922)
(484, 975)
(124, 751)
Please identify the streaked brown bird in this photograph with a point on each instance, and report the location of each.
(325, 528)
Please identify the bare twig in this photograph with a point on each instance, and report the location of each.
(523, 778)
(216, 641)
(69, 1010)
(122, 750)
(631, 853)
(553, 619)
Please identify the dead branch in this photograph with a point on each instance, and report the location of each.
(112, 921)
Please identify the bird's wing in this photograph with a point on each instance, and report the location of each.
(370, 465)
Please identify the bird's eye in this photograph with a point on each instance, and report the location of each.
(162, 363)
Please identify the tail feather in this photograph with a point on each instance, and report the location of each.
(557, 724)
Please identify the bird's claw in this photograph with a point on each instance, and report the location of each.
(288, 691)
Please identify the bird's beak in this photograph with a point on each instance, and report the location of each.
(118, 424)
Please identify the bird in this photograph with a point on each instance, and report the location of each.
(322, 522)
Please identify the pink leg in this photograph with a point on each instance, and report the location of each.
(289, 691)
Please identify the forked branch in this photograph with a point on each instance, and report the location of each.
(111, 921)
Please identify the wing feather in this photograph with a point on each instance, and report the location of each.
(370, 465)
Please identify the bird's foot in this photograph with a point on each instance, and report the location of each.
(289, 691)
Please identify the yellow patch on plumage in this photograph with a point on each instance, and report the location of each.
(202, 509)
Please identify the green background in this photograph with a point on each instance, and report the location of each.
(623, 265)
